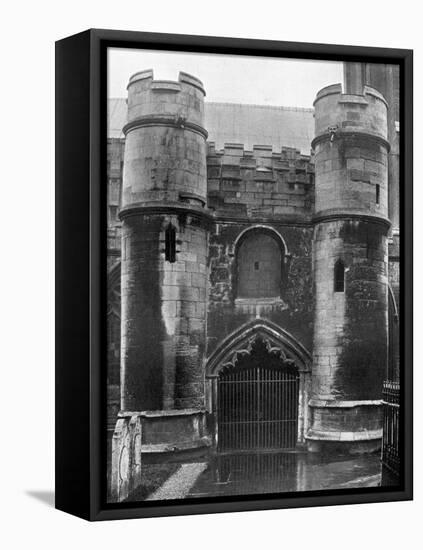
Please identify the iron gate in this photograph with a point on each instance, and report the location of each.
(257, 407)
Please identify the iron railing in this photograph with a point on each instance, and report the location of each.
(391, 426)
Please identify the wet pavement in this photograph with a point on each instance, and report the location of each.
(246, 474)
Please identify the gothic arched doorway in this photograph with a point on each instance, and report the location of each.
(257, 401)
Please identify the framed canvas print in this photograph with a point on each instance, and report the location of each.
(234, 274)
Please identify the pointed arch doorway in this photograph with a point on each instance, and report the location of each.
(257, 402)
(258, 385)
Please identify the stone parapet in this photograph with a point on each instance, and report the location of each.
(365, 113)
(170, 431)
(165, 148)
(260, 183)
(184, 97)
(351, 152)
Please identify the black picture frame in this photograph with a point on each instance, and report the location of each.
(81, 274)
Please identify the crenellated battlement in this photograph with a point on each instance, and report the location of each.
(351, 152)
(181, 101)
(260, 183)
(165, 147)
(262, 163)
(337, 113)
(147, 77)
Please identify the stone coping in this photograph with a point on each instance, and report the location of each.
(284, 220)
(334, 214)
(161, 413)
(159, 119)
(165, 85)
(168, 85)
(159, 207)
(176, 446)
(360, 134)
(336, 89)
(344, 404)
(276, 300)
(395, 405)
(363, 435)
(140, 75)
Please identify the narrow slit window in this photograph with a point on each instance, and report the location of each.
(170, 244)
(339, 276)
(377, 193)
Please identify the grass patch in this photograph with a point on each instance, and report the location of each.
(152, 477)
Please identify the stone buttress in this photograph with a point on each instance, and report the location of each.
(350, 269)
(164, 262)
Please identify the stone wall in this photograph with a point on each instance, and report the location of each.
(260, 184)
(164, 310)
(260, 194)
(246, 189)
(350, 333)
(115, 152)
(292, 309)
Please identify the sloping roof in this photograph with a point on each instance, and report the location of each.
(238, 123)
(116, 114)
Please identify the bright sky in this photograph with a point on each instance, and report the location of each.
(228, 78)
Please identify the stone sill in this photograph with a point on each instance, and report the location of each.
(260, 302)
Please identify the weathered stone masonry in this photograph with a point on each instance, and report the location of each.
(164, 298)
(267, 193)
(189, 292)
(351, 226)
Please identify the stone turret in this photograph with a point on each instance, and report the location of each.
(350, 269)
(164, 261)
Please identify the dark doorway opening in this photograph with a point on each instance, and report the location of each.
(257, 402)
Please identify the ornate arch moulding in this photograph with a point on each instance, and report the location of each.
(240, 342)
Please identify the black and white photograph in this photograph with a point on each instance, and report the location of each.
(211, 234)
(253, 275)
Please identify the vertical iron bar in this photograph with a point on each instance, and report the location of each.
(290, 412)
(284, 411)
(279, 409)
(234, 412)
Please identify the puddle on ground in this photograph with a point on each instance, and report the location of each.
(258, 473)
